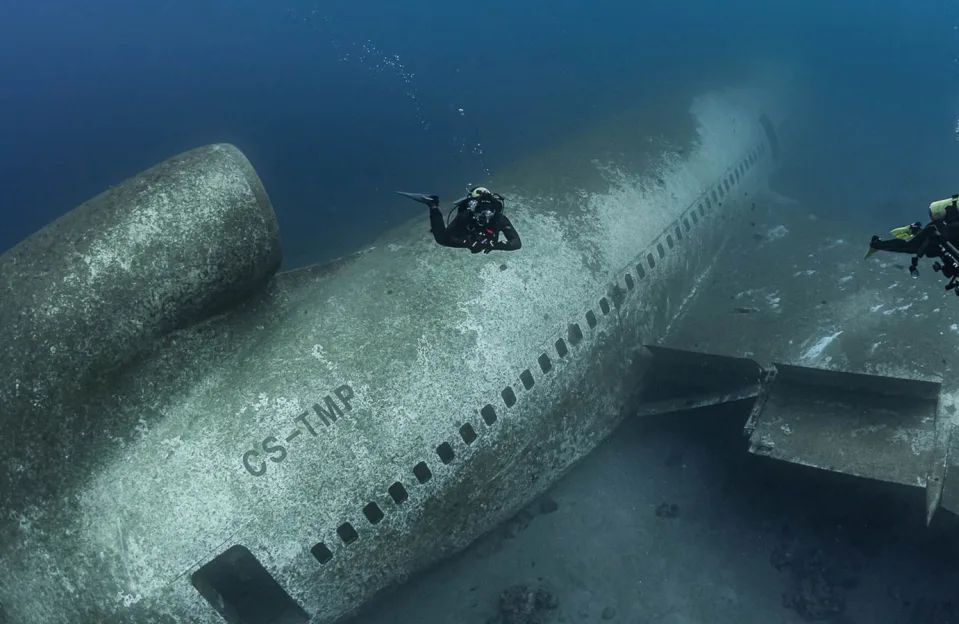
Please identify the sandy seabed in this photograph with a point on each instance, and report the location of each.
(672, 521)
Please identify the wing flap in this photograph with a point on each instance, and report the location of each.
(864, 425)
(888, 428)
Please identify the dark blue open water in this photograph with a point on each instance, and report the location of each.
(339, 102)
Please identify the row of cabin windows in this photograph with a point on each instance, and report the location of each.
(226, 580)
(374, 514)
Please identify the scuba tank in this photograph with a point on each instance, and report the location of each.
(944, 209)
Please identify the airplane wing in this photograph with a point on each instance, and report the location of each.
(196, 439)
(847, 359)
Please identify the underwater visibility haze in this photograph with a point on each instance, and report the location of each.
(244, 381)
(338, 103)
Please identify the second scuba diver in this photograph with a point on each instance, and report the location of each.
(477, 225)
(939, 239)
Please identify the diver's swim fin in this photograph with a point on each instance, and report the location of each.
(429, 200)
(871, 251)
(906, 232)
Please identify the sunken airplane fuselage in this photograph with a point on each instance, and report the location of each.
(189, 437)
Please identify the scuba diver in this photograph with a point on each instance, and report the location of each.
(477, 225)
(939, 239)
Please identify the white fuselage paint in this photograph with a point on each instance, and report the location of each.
(424, 338)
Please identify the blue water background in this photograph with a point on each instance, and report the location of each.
(337, 103)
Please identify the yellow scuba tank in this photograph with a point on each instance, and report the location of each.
(939, 210)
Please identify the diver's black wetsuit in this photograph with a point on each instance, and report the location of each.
(464, 231)
(936, 240)
(923, 243)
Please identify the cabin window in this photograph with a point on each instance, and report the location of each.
(373, 513)
(422, 472)
(468, 433)
(445, 452)
(347, 533)
(322, 553)
(527, 378)
(591, 319)
(509, 397)
(398, 493)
